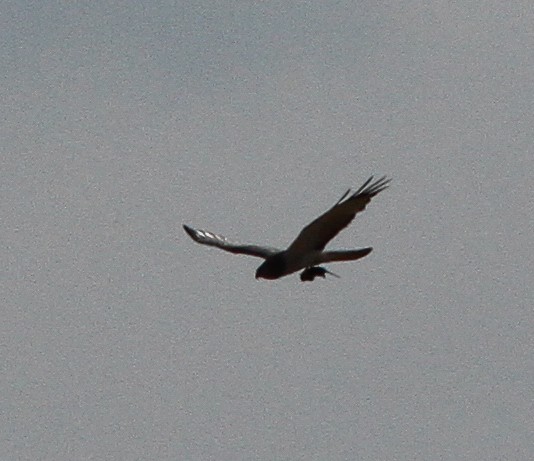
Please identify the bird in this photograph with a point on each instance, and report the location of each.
(307, 251)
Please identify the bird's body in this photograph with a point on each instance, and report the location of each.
(306, 251)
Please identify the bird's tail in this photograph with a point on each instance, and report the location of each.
(344, 255)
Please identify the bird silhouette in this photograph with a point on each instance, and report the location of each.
(307, 251)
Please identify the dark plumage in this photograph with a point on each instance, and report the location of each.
(274, 267)
(307, 250)
(309, 274)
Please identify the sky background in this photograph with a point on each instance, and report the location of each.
(123, 339)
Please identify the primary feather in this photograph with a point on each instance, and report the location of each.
(318, 233)
(306, 251)
(211, 239)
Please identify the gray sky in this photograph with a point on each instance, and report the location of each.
(122, 339)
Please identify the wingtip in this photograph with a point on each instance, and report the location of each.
(373, 188)
(190, 231)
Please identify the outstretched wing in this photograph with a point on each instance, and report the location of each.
(208, 238)
(317, 234)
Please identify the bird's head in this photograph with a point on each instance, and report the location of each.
(274, 267)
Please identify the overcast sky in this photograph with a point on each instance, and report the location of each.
(123, 339)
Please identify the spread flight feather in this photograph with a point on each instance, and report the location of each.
(307, 249)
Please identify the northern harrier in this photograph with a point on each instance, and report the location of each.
(307, 251)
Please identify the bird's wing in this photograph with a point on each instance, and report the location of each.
(344, 255)
(208, 238)
(318, 233)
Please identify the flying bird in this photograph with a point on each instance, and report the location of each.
(307, 250)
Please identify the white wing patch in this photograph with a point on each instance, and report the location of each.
(211, 239)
